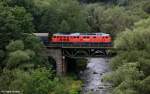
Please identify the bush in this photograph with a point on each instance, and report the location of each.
(130, 66)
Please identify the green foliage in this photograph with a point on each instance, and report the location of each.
(146, 7)
(93, 1)
(15, 45)
(2, 54)
(131, 65)
(75, 87)
(32, 42)
(129, 71)
(110, 20)
(64, 27)
(24, 55)
(18, 79)
(71, 86)
(61, 13)
(17, 57)
(14, 21)
(23, 3)
(127, 2)
(22, 71)
(39, 82)
(145, 85)
(145, 65)
(22, 63)
(138, 38)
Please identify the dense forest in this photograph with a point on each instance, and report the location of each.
(23, 66)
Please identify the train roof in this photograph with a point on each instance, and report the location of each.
(81, 34)
(40, 34)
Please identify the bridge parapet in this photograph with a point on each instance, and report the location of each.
(78, 45)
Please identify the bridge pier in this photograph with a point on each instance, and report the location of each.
(57, 55)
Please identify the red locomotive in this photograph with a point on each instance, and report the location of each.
(81, 38)
(76, 39)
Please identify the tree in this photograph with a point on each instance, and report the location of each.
(14, 22)
(16, 54)
(145, 85)
(39, 82)
(146, 7)
(132, 60)
(64, 10)
(64, 27)
(93, 1)
(138, 38)
(110, 20)
(23, 67)
(15, 45)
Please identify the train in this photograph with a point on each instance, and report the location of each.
(81, 38)
(76, 39)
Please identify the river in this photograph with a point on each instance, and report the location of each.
(92, 76)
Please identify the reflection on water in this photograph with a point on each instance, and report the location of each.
(92, 76)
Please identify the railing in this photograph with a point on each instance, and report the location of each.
(78, 45)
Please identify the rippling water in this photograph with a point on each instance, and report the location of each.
(92, 76)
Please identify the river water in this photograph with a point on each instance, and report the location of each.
(92, 76)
